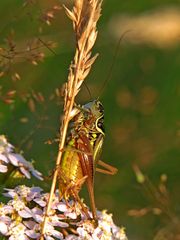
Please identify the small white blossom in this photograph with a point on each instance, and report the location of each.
(5, 210)
(22, 217)
(3, 228)
(9, 157)
(51, 232)
(17, 231)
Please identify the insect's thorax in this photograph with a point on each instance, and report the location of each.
(87, 124)
(90, 119)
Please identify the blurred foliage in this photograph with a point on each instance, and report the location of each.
(141, 101)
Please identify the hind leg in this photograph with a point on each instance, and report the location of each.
(108, 169)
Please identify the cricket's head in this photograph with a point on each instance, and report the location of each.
(95, 107)
(95, 115)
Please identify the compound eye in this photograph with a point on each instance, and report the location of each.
(100, 124)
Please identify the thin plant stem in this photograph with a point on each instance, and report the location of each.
(84, 16)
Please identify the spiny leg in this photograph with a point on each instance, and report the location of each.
(91, 192)
(110, 170)
(88, 170)
(73, 189)
(77, 198)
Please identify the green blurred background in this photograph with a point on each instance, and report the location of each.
(141, 101)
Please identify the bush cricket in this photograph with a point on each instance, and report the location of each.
(82, 154)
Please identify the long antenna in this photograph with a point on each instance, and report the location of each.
(50, 49)
(88, 90)
(109, 75)
(46, 45)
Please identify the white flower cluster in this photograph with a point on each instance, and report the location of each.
(22, 217)
(9, 158)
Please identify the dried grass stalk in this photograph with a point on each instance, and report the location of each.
(84, 16)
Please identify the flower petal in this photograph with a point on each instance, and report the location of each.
(33, 193)
(3, 158)
(71, 215)
(37, 210)
(3, 228)
(13, 159)
(22, 161)
(71, 237)
(62, 207)
(32, 234)
(36, 190)
(25, 213)
(37, 214)
(25, 172)
(11, 193)
(30, 224)
(40, 202)
(57, 234)
(60, 224)
(36, 174)
(3, 168)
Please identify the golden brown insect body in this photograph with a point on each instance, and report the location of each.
(82, 153)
